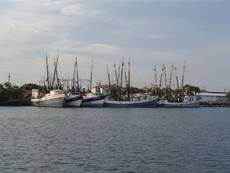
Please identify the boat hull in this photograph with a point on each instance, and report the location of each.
(73, 101)
(97, 101)
(180, 105)
(48, 102)
(149, 103)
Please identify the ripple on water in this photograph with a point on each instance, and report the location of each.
(114, 140)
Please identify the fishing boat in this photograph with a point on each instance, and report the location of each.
(146, 103)
(189, 102)
(74, 98)
(52, 95)
(93, 100)
(55, 98)
(123, 96)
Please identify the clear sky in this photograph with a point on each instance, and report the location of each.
(150, 32)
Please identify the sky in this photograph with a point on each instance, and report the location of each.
(149, 32)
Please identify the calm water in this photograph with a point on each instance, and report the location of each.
(114, 140)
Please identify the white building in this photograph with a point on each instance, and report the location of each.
(212, 97)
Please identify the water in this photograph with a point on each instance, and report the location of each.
(114, 140)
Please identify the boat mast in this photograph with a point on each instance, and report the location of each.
(165, 74)
(47, 73)
(129, 87)
(171, 74)
(75, 75)
(56, 72)
(122, 69)
(155, 73)
(78, 85)
(119, 75)
(108, 76)
(125, 76)
(161, 77)
(116, 76)
(182, 80)
(91, 76)
(177, 79)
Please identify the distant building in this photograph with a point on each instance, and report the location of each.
(212, 97)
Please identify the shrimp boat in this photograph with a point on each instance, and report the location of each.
(93, 100)
(126, 100)
(146, 103)
(189, 102)
(74, 98)
(55, 98)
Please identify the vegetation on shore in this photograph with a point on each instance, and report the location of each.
(13, 95)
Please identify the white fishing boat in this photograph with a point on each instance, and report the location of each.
(189, 102)
(55, 98)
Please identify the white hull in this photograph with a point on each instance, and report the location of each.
(167, 104)
(53, 99)
(48, 102)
